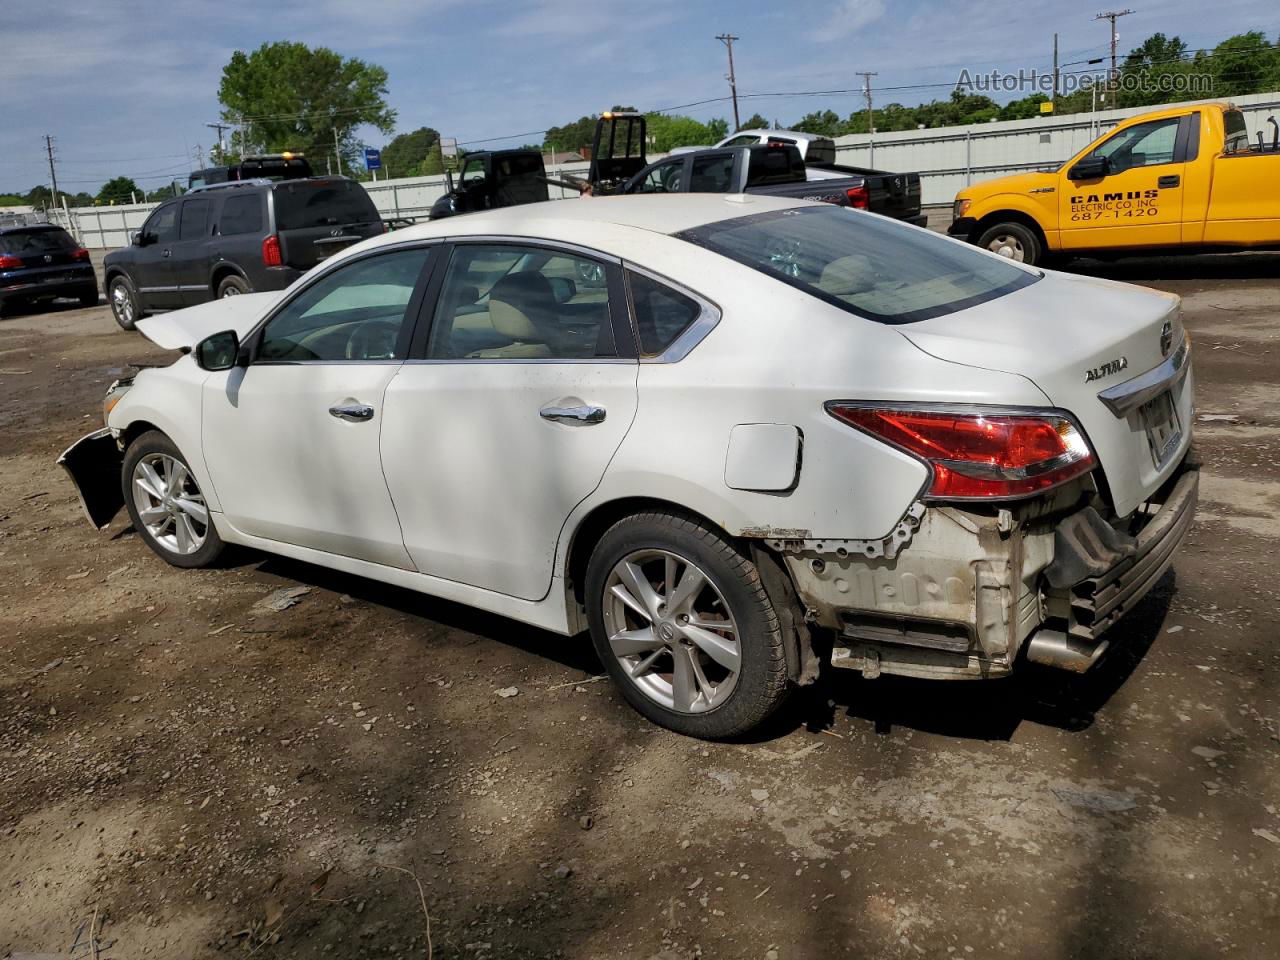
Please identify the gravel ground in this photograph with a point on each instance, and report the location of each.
(193, 773)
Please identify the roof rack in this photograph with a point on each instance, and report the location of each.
(253, 182)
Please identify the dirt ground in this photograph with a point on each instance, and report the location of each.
(195, 775)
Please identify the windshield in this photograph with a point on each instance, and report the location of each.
(867, 265)
(321, 203)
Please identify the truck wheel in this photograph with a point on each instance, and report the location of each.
(1012, 240)
(165, 503)
(682, 623)
(124, 303)
(231, 286)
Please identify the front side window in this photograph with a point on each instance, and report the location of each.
(664, 178)
(472, 172)
(869, 266)
(195, 219)
(1142, 145)
(357, 312)
(512, 302)
(241, 214)
(162, 225)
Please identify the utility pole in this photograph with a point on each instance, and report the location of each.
(336, 153)
(727, 39)
(222, 147)
(866, 92)
(53, 176)
(1054, 98)
(1113, 16)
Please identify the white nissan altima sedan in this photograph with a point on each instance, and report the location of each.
(731, 437)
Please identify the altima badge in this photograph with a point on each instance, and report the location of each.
(1107, 369)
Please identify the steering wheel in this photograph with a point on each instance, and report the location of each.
(374, 340)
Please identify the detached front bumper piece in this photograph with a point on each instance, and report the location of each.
(93, 463)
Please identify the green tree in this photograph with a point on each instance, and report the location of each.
(292, 97)
(405, 155)
(576, 135)
(81, 199)
(1243, 64)
(669, 131)
(167, 192)
(12, 200)
(39, 196)
(824, 122)
(118, 190)
(755, 122)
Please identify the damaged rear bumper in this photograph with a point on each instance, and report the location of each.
(965, 591)
(93, 463)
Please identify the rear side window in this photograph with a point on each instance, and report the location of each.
(662, 314)
(301, 204)
(241, 214)
(36, 241)
(1237, 134)
(775, 165)
(871, 267)
(712, 174)
(195, 220)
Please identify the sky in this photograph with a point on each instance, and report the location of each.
(126, 88)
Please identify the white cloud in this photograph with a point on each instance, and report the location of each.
(848, 17)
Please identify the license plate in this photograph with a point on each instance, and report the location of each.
(1164, 433)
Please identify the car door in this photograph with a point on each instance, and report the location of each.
(190, 256)
(291, 440)
(664, 177)
(153, 272)
(1139, 202)
(506, 417)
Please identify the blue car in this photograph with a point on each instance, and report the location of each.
(40, 261)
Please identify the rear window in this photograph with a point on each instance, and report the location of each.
(310, 203)
(866, 265)
(821, 152)
(47, 240)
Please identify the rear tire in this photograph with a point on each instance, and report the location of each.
(1012, 240)
(125, 306)
(231, 286)
(673, 609)
(165, 503)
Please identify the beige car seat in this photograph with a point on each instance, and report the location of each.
(522, 308)
(847, 276)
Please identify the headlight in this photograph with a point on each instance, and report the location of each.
(960, 208)
(114, 392)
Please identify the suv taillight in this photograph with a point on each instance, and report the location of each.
(80, 254)
(9, 263)
(271, 251)
(859, 196)
(975, 455)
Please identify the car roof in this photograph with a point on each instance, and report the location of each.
(27, 227)
(556, 219)
(790, 134)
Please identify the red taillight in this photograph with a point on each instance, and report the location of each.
(977, 455)
(859, 196)
(9, 263)
(80, 254)
(271, 251)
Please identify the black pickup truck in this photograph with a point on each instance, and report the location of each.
(780, 170)
(505, 178)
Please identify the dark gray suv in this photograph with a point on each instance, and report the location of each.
(229, 238)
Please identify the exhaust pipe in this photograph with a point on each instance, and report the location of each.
(1053, 648)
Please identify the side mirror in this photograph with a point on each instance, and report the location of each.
(1090, 168)
(218, 351)
(135, 238)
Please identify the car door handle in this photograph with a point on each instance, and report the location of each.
(165, 253)
(580, 414)
(352, 412)
(1170, 181)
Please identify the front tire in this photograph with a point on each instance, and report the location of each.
(124, 303)
(165, 503)
(1013, 240)
(680, 619)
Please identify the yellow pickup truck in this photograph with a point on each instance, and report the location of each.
(1184, 179)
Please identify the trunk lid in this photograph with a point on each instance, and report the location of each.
(1076, 337)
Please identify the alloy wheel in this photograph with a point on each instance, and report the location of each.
(671, 631)
(169, 503)
(122, 303)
